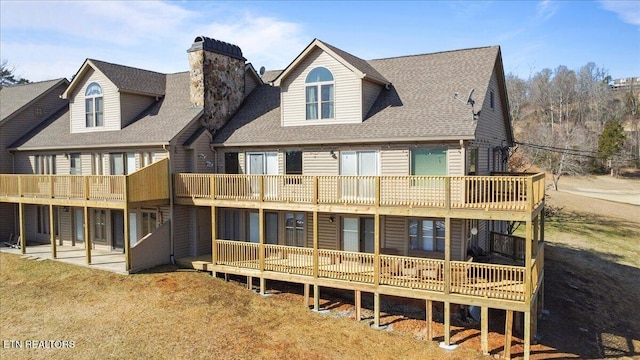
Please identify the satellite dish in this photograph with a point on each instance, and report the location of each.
(262, 70)
(469, 99)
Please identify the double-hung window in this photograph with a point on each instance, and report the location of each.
(93, 104)
(319, 94)
(426, 234)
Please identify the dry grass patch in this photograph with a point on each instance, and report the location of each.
(177, 314)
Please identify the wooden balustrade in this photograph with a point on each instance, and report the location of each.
(346, 265)
(510, 193)
(238, 253)
(507, 245)
(537, 268)
(415, 273)
(150, 182)
(9, 185)
(288, 259)
(487, 280)
(68, 187)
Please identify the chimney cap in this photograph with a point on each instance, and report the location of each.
(216, 46)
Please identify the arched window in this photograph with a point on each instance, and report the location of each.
(93, 105)
(319, 94)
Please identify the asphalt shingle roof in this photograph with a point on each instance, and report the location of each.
(14, 98)
(158, 124)
(358, 63)
(420, 105)
(132, 79)
(270, 75)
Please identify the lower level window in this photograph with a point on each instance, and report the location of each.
(426, 234)
(99, 225)
(294, 226)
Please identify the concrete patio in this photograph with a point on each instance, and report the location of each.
(100, 259)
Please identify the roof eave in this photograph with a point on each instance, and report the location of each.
(446, 138)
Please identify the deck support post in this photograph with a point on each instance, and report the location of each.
(23, 237)
(484, 329)
(263, 286)
(306, 295)
(262, 250)
(249, 282)
(447, 323)
(358, 301)
(214, 233)
(508, 330)
(527, 335)
(87, 234)
(316, 297)
(429, 319)
(127, 237)
(52, 232)
(376, 310)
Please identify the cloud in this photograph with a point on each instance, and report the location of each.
(47, 40)
(265, 41)
(628, 11)
(546, 9)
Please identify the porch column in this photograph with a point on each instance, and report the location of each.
(447, 280)
(261, 245)
(508, 329)
(127, 239)
(429, 318)
(214, 244)
(52, 232)
(527, 335)
(23, 237)
(527, 261)
(376, 259)
(316, 288)
(484, 329)
(87, 235)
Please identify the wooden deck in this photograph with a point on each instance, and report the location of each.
(480, 281)
(516, 197)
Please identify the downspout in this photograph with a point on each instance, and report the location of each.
(171, 236)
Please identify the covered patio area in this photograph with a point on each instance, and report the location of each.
(100, 259)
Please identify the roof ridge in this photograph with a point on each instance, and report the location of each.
(125, 66)
(435, 53)
(34, 83)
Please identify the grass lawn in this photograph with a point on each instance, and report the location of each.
(178, 315)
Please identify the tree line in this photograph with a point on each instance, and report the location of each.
(569, 122)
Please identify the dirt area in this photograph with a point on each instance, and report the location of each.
(592, 287)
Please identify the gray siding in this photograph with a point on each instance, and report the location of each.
(181, 224)
(328, 235)
(320, 163)
(111, 104)
(348, 93)
(132, 105)
(394, 162)
(370, 92)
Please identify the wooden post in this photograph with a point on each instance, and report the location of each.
(447, 323)
(447, 255)
(316, 297)
(263, 286)
(508, 329)
(127, 238)
(527, 335)
(54, 251)
(214, 233)
(316, 264)
(376, 309)
(358, 305)
(249, 282)
(429, 319)
(376, 249)
(484, 329)
(87, 233)
(261, 239)
(261, 188)
(23, 235)
(447, 193)
(306, 295)
(527, 262)
(315, 190)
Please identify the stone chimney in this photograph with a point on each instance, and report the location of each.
(216, 70)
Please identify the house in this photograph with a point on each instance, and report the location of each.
(385, 176)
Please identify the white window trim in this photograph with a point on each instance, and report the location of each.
(318, 102)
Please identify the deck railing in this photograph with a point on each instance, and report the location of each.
(149, 183)
(468, 278)
(515, 193)
(487, 280)
(507, 245)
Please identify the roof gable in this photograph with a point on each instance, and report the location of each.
(419, 106)
(125, 78)
(14, 99)
(360, 67)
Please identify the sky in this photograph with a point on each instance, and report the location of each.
(51, 39)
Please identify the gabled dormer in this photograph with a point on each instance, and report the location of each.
(108, 97)
(325, 85)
